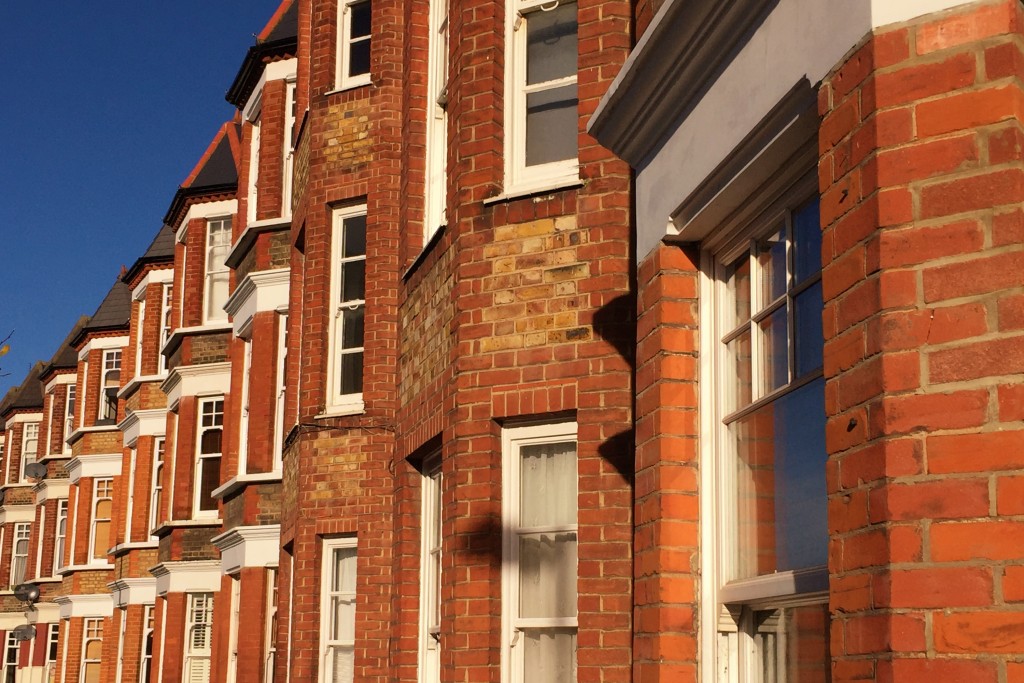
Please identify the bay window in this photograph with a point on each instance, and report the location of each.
(539, 515)
(768, 580)
(541, 119)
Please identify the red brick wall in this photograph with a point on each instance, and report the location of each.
(921, 181)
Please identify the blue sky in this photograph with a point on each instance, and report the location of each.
(106, 108)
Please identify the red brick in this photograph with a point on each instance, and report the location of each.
(963, 541)
(975, 452)
(903, 414)
(952, 499)
(943, 670)
(963, 111)
(1011, 402)
(909, 246)
(936, 587)
(977, 359)
(966, 27)
(920, 81)
(978, 276)
(980, 632)
(891, 47)
(972, 193)
(1010, 495)
(1013, 583)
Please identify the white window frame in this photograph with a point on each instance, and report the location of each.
(85, 389)
(513, 439)
(328, 640)
(243, 421)
(70, 397)
(270, 627)
(139, 330)
(21, 535)
(234, 625)
(252, 195)
(156, 485)
(104, 486)
(30, 432)
(60, 535)
(435, 191)
(39, 542)
(111, 364)
(343, 81)
(337, 401)
(520, 178)
(133, 455)
(280, 389)
(148, 634)
(290, 103)
(92, 630)
(430, 571)
(166, 324)
(198, 615)
(11, 651)
(216, 237)
(52, 647)
(728, 605)
(217, 422)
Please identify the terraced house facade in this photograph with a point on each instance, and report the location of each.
(556, 341)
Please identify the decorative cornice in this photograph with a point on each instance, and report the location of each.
(259, 291)
(249, 546)
(94, 605)
(92, 466)
(182, 577)
(138, 423)
(137, 591)
(9, 514)
(196, 380)
(51, 489)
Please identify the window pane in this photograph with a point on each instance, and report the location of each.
(775, 350)
(352, 373)
(771, 255)
(547, 484)
(352, 327)
(551, 125)
(101, 540)
(807, 241)
(547, 575)
(360, 25)
(355, 237)
(342, 664)
(344, 574)
(344, 615)
(809, 335)
(793, 644)
(210, 480)
(353, 279)
(739, 288)
(550, 655)
(359, 58)
(210, 442)
(780, 484)
(739, 351)
(551, 47)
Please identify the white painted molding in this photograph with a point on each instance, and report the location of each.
(25, 417)
(258, 292)
(159, 275)
(140, 591)
(223, 207)
(143, 423)
(44, 613)
(249, 234)
(135, 382)
(240, 480)
(95, 605)
(209, 379)
(249, 546)
(183, 577)
(102, 343)
(69, 376)
(93, 466)
(51, 489)
(179, 333)
(9, 514)
(274, 71)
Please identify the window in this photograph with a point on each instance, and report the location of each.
(437, 120)
(52, 641)
(11, 658)
(282, 363)
(430, 574)
(215, 293)
(289, 150)
(110, 382)
(208, 451)
(541, 118)
(338, 611)
(92, 650)
(165, 322)
(270, 633)
(198, 632)
(539, 506)
(353, 63)
(139, 328)
(233, 626)
(85, 392)
(69, 416)
(102, 505)
(19, 552)
(148, 627)
(769, 452)
(348, 286)
(29, 446)
(254, 170)
(61, 536)
(243, 422)
(156, 485)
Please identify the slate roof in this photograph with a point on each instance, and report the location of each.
(216, 172)
(279, 38)
(66, 356)
(219, 168)
(114, 312)
(160, 250)
(27, 395)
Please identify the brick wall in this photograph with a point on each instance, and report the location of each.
(921, 181)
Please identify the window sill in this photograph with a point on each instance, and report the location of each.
(240, 481)
(799, 584)
(556, 185)
(342, 410)
(167, 527)
(340, 88)
(72, 568)
(122, 548)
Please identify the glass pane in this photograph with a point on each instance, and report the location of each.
(806, 241)
(352, 373)
(92, 672)
(793, 644)
(551, 125)
(809, 336)
(775, 350)
(547, 575)
(344, 627)
(780, 484)
(771, 255)
(342, 664)
(547, 483)
(550, 655)
(353, 280)
(551, 50)
(101, 540)
(210, 480)
(739, 289)
(355, 237)
(360, 20)
(352, 327)
(359, 58)
(344, 577)
(216, 295)
(211, 441)
(739, 351)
